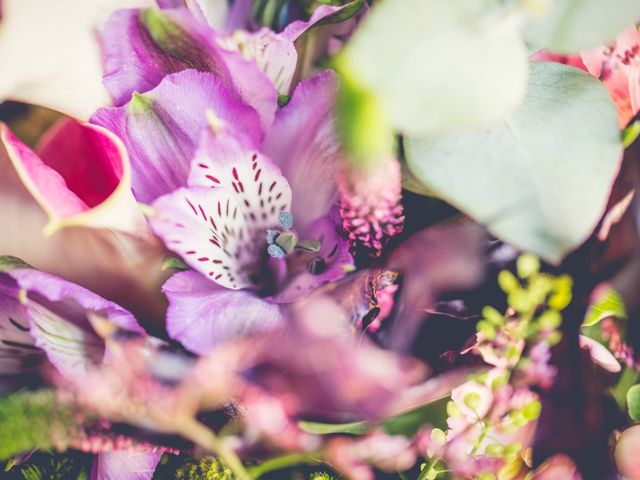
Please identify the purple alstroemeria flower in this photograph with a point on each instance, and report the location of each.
(45, 316)
(142, 46)
(223, 193)
(45, 320)
(257, 232)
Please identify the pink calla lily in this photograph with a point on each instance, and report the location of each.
(81, 177)
(78, 192)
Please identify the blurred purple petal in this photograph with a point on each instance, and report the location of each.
(326, 373)
(58, 322)
(72, 299)
(161, 128)
(18, 354)
(202, 315)
(123, 465)
(303, 142)
(439, 259)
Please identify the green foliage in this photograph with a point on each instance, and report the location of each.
(56, 468)
(321, 476)
(407, 423)
(609, 305)
(32, 420)
(175, 263)
(572, 26)
(8, 262)
(633, 402)
(438, 65)
(355, 428)
(563, 143)
(70, 465)
(205, 468)
(364, 130)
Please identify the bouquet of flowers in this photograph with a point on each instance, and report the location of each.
(319, 239)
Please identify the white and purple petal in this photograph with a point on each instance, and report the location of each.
(161, 129)
(58, 311)
(226, 160)
(219, 224)
(202, 315)
(304, 144)
(275, 54)
(206, 228)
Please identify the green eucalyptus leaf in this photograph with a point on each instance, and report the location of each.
(633, 402)
(575, 25)
(539, 180)
(439, 65)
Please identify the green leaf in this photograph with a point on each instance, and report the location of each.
(541, 179)
(8, 263)
(610, 305)
(439, 65)
(364, 129)
(348, 11)
(407, 423)
(175, 263)
(355, 428)
(633, 402)
(575, 25)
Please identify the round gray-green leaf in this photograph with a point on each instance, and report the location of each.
(539, 180)
(575, 25)
(440, 65)
(633, 402)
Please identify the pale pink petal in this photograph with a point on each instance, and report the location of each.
(600, 354)
(53, 52)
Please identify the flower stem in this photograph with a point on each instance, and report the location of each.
(284, 461)
(204, 437)
(428, 469)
